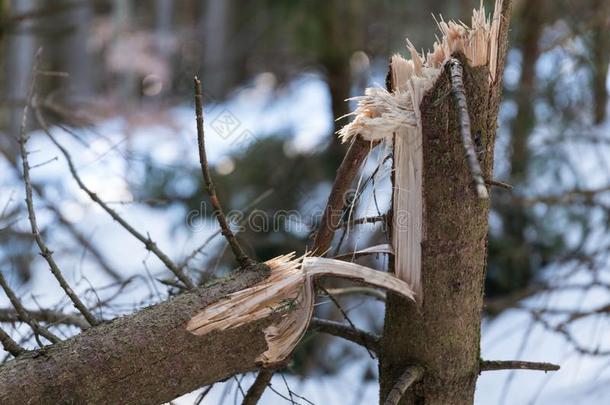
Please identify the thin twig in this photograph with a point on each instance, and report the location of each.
(385, 249)
(563, 330)
(203, 394)
(23, 314)
(85, 243)
(499, 184)
(70, 227)
(369, 340)
(9, 344)
(258, 387)
(340, 308)
(44, 163)
(365, 220)
(243, 260)
(333, 213)
(245, 210)
(10, 315)
(488, 365)
(44, 250)
(146, 240)
(409, 377)
(459, 94)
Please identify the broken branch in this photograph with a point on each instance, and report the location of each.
(243, 260)
(409, 377)
(488, 365)
(288, 290)
(459, 94)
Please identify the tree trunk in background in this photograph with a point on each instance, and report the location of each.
(523, 123)
(215, 31)
(340, 20)
(443, 335)
(75, 57)
(164, 16)
(17, 67)
(600, 52)
(516, 268)
(123, 11)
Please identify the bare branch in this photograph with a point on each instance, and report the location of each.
(245, 210)
(562, 330)
(44, 315)
(499, 184)
(385, 248)
(23, 314)
(243, 260)
(575, 196)
(146, 240)
(369, 340)
(363, 342)
(365, 220)
(258, 387)
(9, 344)
(85, 243)
(409, 377)
(331, 219)
(488, 365)
(70, 227)
(459, 94)
(44, 250)
(203, 394)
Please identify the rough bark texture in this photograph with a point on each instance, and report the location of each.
(144, 358)
(443, 335)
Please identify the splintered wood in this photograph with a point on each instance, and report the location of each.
(395, 117)
(288, 292)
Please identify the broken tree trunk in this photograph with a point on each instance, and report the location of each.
(442, 334)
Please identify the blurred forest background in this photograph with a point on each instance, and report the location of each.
(276, 75)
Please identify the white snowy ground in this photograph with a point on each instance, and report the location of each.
(304, 109)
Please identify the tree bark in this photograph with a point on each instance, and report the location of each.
(443, 335)
(144, 358)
